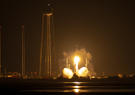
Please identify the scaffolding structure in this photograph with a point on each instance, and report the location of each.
(46, 45)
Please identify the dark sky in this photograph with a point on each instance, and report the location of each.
(105, 28)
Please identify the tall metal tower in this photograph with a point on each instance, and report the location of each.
(46, 43)
(23, 51)
(0, 50)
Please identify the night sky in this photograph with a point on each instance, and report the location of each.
(105, 28)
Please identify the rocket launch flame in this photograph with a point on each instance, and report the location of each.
(83, 72)
(76, 61)
(85, 65)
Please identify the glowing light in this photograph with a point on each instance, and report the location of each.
(76, 61)
(49, 14)
(76, 83)
(76, 90)
(76, 86)
(67, 73)
(83, 72)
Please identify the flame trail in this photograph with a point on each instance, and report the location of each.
(86, 60)
(76, 61)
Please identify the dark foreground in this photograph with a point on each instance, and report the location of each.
(69, 87)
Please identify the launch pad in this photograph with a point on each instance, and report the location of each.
(82, 72)
(46, 53)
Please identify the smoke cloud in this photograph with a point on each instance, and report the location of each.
(85, 61)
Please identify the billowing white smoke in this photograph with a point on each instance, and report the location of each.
(85, 60)
(67, 73)
(68, 68)
(83, 72)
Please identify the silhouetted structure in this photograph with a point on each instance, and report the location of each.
(23, 51)
(46, 44)
(0, 49)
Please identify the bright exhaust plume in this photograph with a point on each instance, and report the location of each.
(67, 73)
(83, 72)
(76, 61)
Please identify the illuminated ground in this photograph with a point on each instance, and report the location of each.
(36, 87)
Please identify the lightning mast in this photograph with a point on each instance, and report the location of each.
(23, 52)
(0, 50)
